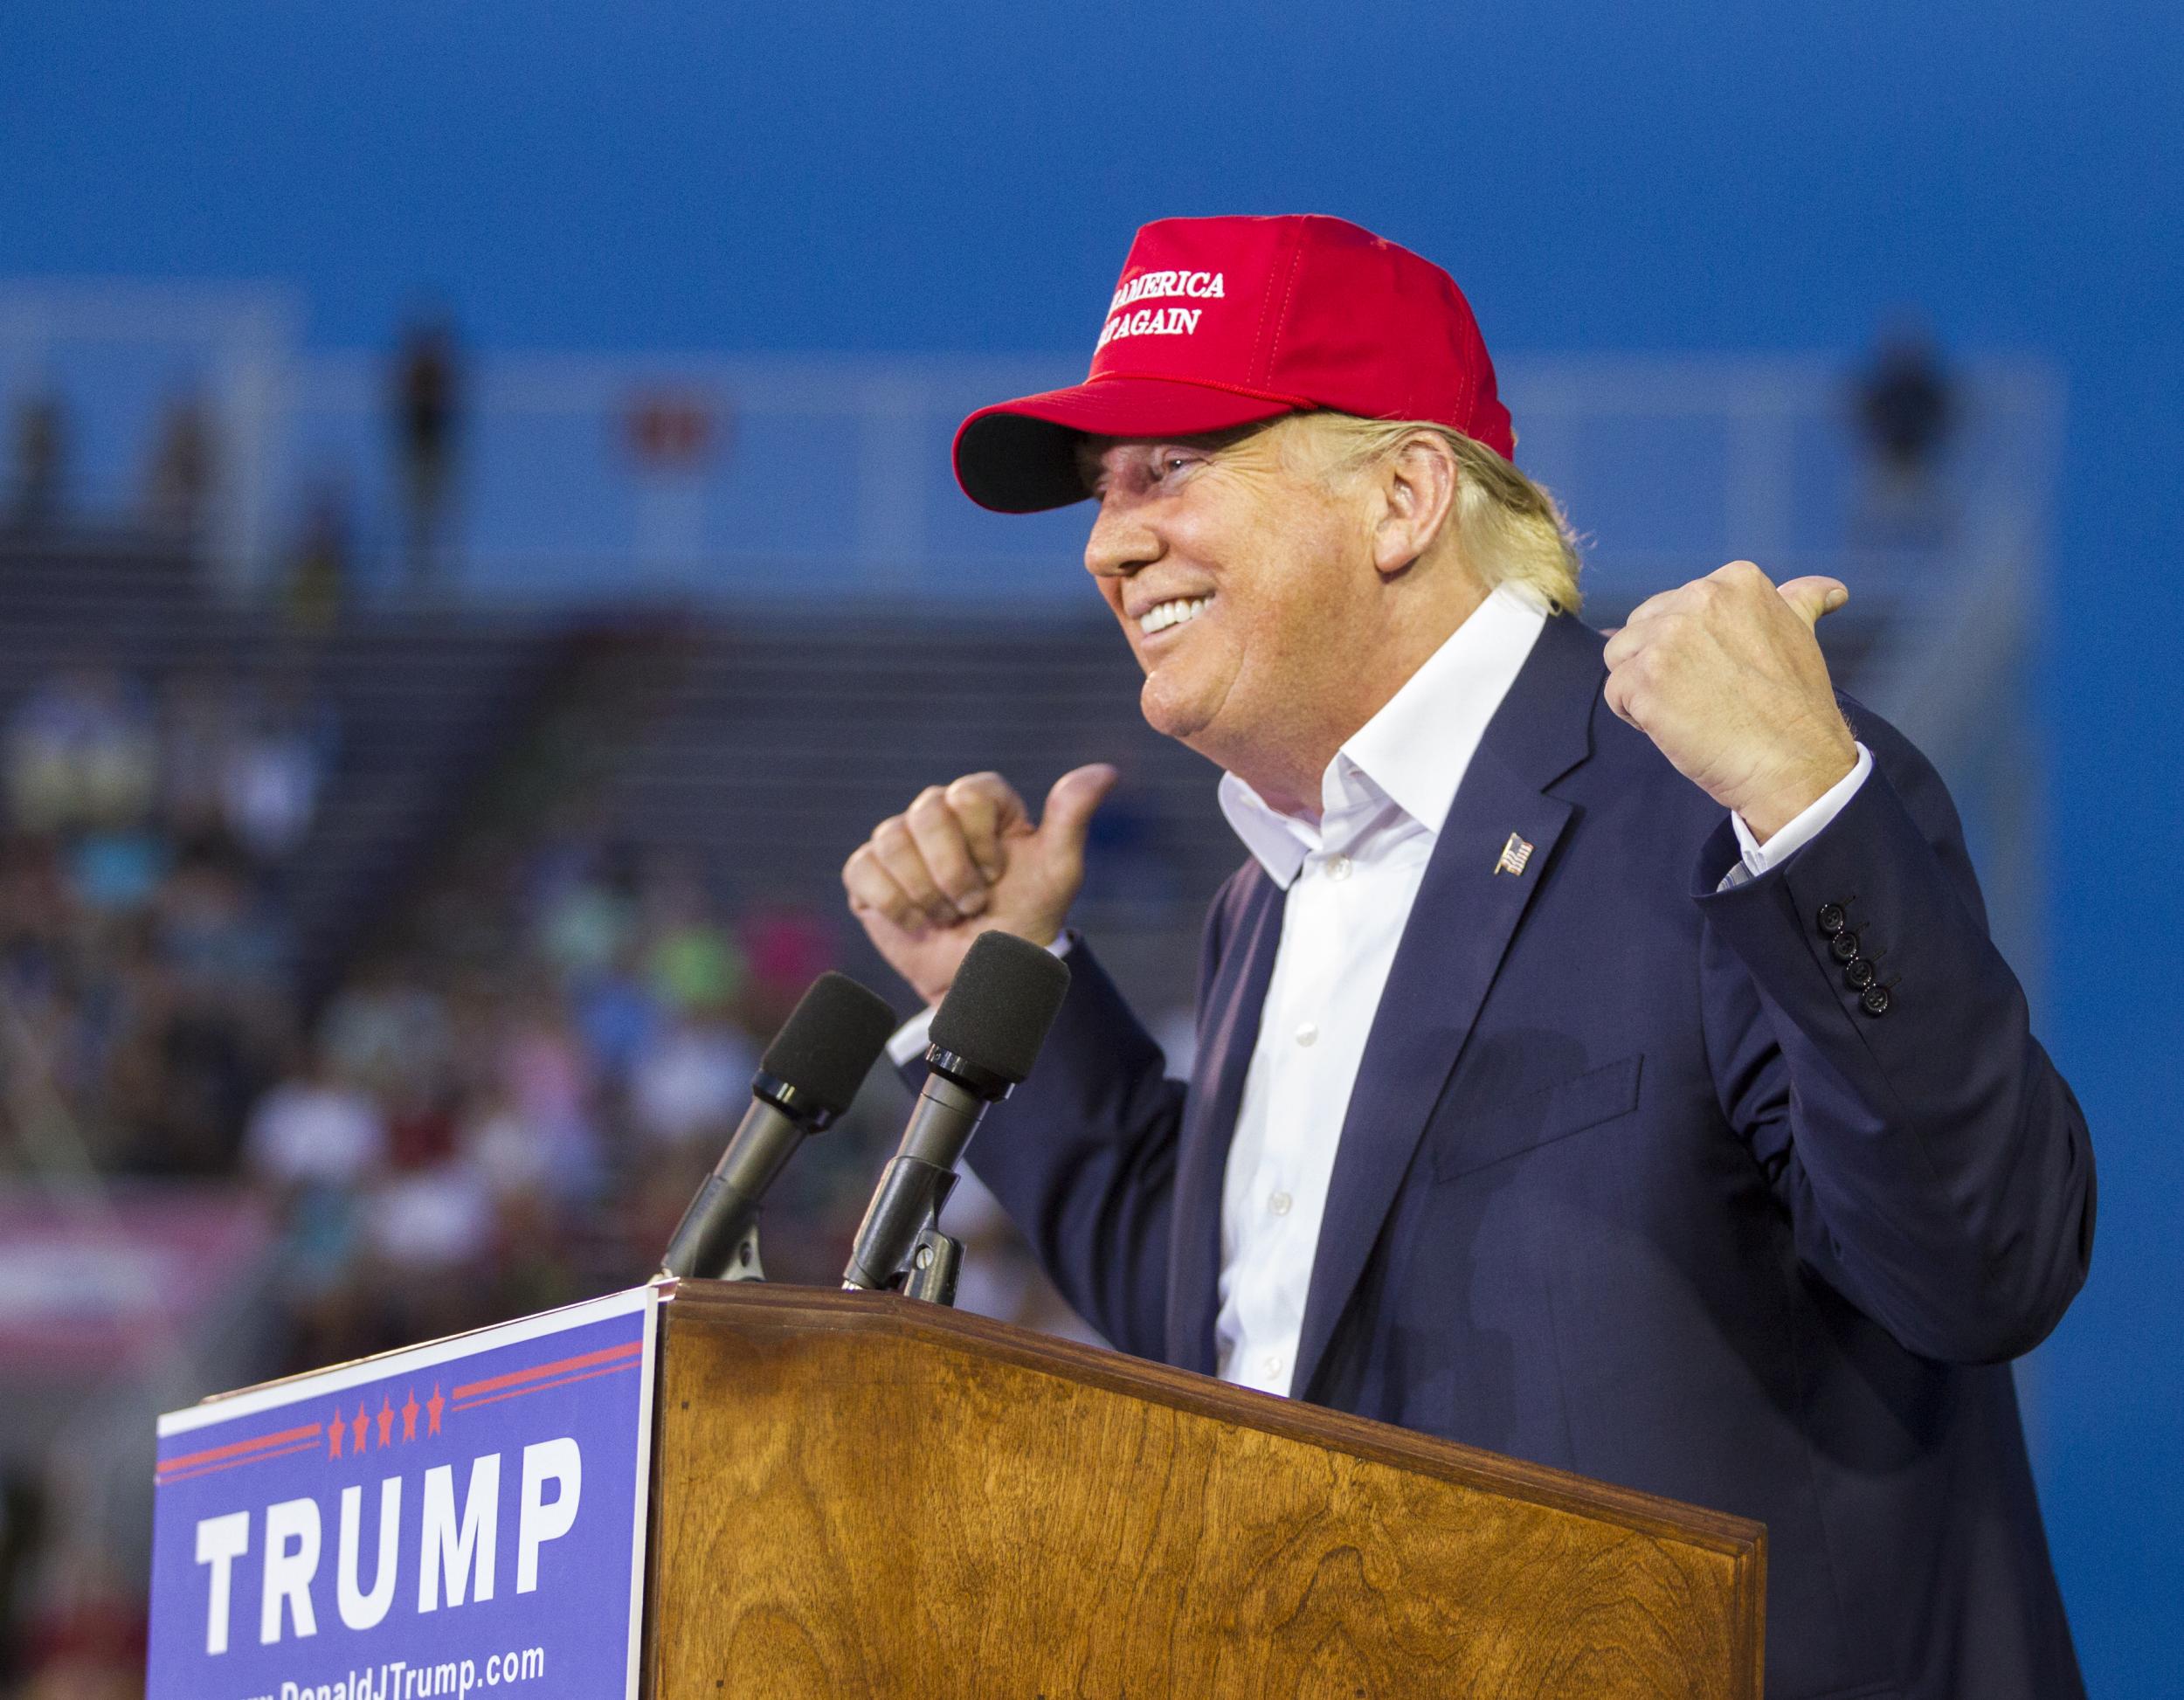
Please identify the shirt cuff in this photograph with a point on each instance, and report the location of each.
(1807, 825)
(912, 1036)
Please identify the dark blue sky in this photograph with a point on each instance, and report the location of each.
(830, 175)
(1597, 175)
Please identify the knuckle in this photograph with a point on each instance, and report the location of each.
(928, 804)
(952, 866)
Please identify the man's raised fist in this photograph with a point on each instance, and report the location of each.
(967, 857)
(1725, 677)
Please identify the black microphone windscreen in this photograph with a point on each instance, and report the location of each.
(1004, 998)
(830, 1041)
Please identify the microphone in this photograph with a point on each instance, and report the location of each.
(985, 1035)
(807, 1077)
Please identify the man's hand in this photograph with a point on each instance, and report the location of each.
(1725, 676)
(967, 858)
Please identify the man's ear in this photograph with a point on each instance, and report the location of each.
(1417, 486)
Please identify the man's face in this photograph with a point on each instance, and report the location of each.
(1243, 579)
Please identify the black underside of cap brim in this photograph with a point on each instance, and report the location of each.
(1015, 463)
(1020, 456)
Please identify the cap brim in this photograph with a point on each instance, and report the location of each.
(1021, 457)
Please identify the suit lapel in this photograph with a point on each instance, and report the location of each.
(1234, 1000)
(1459, 930)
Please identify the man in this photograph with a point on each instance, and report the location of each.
(1602, 1058)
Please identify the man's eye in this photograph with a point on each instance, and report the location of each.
(1173, 463)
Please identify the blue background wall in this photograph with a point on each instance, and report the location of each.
(1598, 176)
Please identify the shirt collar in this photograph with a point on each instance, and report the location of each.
(1415, 751)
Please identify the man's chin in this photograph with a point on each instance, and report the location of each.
(1172, 711)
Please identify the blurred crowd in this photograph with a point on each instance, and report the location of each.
(508, 1110)
(500, 1103)
(143, 948)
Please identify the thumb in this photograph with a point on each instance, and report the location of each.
(1813, 596)
(1072, 803)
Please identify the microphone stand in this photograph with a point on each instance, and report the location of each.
(935, 1261)
(919, 1179)
(742, 1262)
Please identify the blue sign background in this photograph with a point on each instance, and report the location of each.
(583, 1374)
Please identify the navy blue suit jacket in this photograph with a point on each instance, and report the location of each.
(1631, 1185)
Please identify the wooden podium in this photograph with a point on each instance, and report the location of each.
(856, 1494)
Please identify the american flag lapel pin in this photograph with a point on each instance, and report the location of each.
(1515, 854)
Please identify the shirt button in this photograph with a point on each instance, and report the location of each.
(1339, 867)
(1270, 1365)
(1280, 1203)
(1307, 1033)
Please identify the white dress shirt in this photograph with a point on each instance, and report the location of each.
(1351, 878)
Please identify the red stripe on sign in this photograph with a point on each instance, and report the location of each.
(236, 1463)
(545, 1386)
(236, 1448)
(560, 1366)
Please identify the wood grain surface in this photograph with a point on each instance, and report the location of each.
(855, 1494)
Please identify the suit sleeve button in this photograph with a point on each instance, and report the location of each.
(1859, 972)
(1832, 919)
(1843, 946)
(1874, 999)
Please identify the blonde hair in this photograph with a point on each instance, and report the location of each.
(1508, 530)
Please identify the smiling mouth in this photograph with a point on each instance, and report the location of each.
(1177, 610)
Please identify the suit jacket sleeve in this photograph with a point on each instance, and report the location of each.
(1082, 1156)
(1936, 1166)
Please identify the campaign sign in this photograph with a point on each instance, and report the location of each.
(465, 1517)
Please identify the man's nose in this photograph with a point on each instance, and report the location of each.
(1121, 542)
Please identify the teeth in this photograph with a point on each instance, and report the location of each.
(1174, 614)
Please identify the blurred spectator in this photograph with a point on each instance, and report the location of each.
(427, 418)
(618, 1015)
(178, 482)
(546, 1079)
(692, 962)
(691, 1085)
(421, 1123)
(585, 921)
(39, 455)
(269, 783)
(214, 929)
(786, 949)
(1906, 411)
(385, 1026)
(315, 1128)
(196, 734)
(81, 752)
(429, 1222)
(510, 1153)
(320, 575)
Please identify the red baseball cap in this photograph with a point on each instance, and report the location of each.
(1218, 322)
